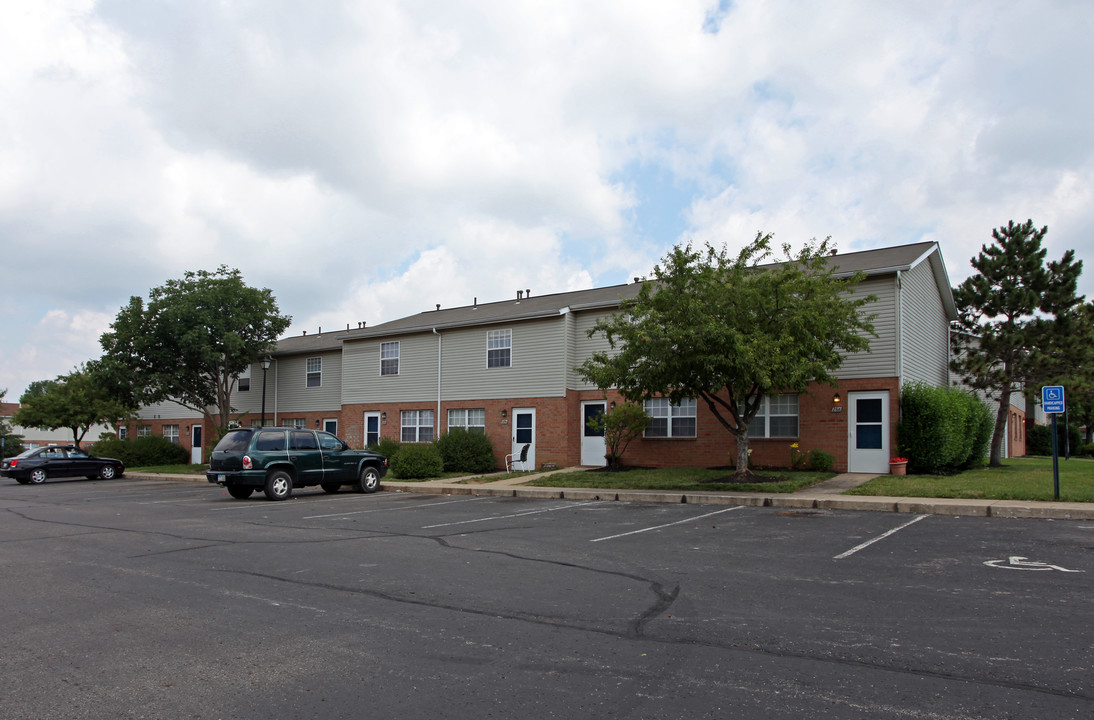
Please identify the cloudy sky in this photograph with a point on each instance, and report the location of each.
(369, 159)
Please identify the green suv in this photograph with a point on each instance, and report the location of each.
(280, 459)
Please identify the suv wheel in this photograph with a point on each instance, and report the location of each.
(369, 482)
(240, 492)
(331, 487)
(279, 485)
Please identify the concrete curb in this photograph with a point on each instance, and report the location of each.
(805, 500)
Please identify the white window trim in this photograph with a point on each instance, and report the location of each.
(308, 372)
(395, 357)
(673, 413)
(466, 425)
(765, 412)
(419, 424)
(491, 337)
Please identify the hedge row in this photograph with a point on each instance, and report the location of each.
(942, 429)
(456, 451)
(144, 451)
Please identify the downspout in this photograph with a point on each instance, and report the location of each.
(437, 432)
(899, 356)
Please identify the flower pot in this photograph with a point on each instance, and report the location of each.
(898, 468)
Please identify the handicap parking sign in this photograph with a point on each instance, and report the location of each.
(1052, 398)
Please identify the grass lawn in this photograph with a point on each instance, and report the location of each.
(694, 479)
(1018, 479)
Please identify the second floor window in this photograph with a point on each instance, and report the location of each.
(389, 358)
(315, 372)
(499, 348)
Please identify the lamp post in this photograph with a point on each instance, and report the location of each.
(265, 366)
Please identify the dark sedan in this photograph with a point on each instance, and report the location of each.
(34, 466)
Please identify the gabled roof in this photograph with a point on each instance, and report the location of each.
(882, 261)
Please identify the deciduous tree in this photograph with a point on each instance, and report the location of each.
(10, 443)
(1009, 314)
(728, 330)
(620, 425)
(76, 401)
(192, 340)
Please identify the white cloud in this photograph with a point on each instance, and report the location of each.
(370, 160)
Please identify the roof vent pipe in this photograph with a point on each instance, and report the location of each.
(520, 294)
(528, 292)
(438, 306)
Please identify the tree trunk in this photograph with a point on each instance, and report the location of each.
(743, 473)
(1000, 429)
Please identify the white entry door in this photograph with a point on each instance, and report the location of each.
(372, 428)
(592, 442)
(524, 433)
(868, 441)
(195, 445)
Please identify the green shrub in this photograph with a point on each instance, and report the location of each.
(1088, 450)
(464, 451)
(942, 429)
(143, 451)
(979, 425)
(415, 460)
(1039, 440)
(387, 447)
(821, 461)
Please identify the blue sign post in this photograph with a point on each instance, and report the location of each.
(1053, 402)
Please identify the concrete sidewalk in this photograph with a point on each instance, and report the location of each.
(822, 496)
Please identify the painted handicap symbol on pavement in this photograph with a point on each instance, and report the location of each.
(1017, 562)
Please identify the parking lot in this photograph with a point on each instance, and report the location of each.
(148, 599)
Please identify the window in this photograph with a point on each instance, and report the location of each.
(243, 382)
(776, 418)
(302, 440)
(668, 419)
(417, 426)
(123, 432)
(171, 432)
(315, 372)
(389, 358)
(144, 430)
(473, 420)
(294, 423)
(499, 348)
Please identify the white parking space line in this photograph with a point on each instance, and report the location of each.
(678, 522)
(514, 515)
(882, 536)
(387, 509)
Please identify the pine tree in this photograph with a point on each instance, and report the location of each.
(1008, 317)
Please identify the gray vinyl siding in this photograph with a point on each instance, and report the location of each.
(538, 362)
(415, 383)
(168, 410)
(924, 328)
(584, 347)
(288, 376)
(880, 361)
